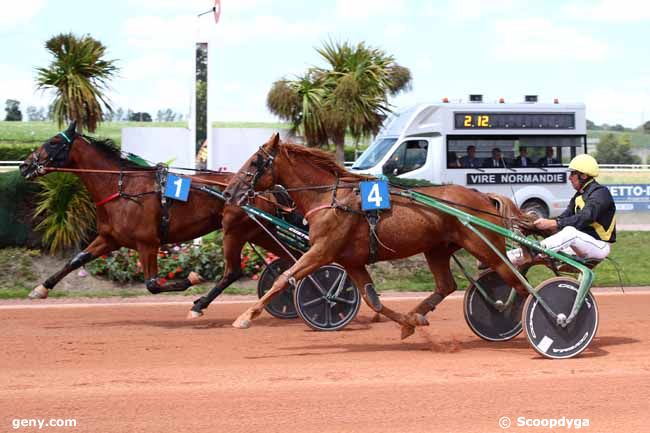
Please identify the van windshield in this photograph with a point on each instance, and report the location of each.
(373, 154)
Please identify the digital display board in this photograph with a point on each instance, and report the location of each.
(486, 120)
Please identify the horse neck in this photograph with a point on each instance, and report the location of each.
(84, 156)
(303, 175)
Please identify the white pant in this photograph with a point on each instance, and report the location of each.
(569, 240)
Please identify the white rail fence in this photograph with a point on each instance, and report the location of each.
(9, 165)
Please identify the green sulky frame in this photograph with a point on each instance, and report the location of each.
(470, 221)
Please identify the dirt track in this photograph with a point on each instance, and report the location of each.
(143, 368)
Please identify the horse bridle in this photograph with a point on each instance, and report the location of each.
(261, 163)
(55, 157)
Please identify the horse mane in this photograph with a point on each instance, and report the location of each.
(111, 151)
(321, 159)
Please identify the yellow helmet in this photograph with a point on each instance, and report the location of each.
(585, 164)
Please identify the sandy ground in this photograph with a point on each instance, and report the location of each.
(140, 367)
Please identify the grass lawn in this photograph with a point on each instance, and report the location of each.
(638, 139)
(629, 254)
(38, 132)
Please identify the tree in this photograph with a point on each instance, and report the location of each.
(618, 127)
(140, 116)
(646, 127)
(615, 150)
(351, 95)
(12, 107)
(301, 102)
(79, 75)
(35, 114)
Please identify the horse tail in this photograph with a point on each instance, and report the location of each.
(513, 217)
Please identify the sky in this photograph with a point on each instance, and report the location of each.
(595, 52)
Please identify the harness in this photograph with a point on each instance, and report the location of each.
(58, 154)
(372, 217)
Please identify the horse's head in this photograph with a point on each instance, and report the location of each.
(55, 152)
(256, 174)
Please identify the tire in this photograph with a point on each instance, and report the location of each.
(282, 305)
(536, 207)
(547, 337)
(486, 321)
(317, 304)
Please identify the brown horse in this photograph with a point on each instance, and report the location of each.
(339, 232)
(132, 217)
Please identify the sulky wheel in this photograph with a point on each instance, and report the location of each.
(330, 304)
(282, 305)
(483, 318)
(545, 335)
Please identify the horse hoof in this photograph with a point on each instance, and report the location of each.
(195, 278)
(376, 318)
(417, 319)
(194, 314)
(241, 324)
(39, 292)
(420, 320)
(407, 331)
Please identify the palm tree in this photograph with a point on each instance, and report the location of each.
(79, 74)
(359, 82)
(300, 102)
(349, 96)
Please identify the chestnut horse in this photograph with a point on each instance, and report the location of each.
(130, 215)
(339, 232)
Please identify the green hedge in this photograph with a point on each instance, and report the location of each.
(17, 201)
(16, 152)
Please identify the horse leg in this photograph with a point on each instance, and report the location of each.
(445, 284)
(99, 246)
(486, 255)
(149, 258)
(363, 280)
(308, 263)
(232, 247)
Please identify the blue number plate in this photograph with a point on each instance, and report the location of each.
(374, 195)
(177, 187)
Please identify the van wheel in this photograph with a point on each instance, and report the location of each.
(535, 207)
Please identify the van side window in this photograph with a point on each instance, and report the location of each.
(409, 156)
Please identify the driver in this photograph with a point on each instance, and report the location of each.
(587, 228)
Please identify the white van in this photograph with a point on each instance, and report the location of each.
(479, 145)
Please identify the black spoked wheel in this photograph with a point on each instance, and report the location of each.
(282, 305)
(484, 319)
(547, 337)
(327, 300)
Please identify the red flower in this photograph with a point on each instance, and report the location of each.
(255, 277)
(170, 275)
(162, 281)
(179, 270)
